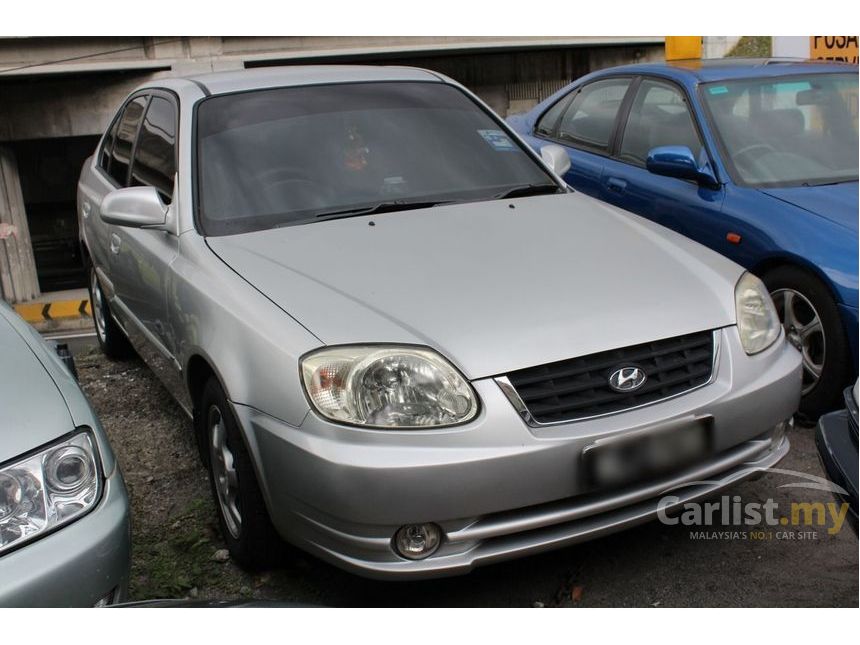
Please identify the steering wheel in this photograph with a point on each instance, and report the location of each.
(273, 190)
(759, 148)
(276, 176)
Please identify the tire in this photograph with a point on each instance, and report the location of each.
(824, 346)
(111, 338)
(242, 516)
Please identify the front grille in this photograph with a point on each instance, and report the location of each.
(579, 387)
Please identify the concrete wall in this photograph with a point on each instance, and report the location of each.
(718, 46)
(44, 108)
(45, 99)
(791, 46)
(29, 56)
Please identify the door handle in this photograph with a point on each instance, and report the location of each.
(115, 243)
(86, 208)
(616, 185)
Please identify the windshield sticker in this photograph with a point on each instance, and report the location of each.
(498, 139)
(797, 86)
(718, 89)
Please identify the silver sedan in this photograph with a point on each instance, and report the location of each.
(406, 345)
(64, 528)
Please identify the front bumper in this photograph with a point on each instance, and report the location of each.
(78, 565)
(836, 439)
(497, 487)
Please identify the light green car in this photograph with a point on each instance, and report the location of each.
(64, 524)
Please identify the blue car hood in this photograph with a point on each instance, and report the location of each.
(836, 202)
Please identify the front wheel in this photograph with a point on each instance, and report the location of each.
(111, 338)
(812, 324)
(242, 515)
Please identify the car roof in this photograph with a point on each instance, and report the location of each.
(293, 75)
(721, 69)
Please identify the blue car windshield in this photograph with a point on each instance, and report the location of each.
(295, 155)
(787, 131)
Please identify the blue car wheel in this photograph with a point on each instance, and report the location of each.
(812, 324)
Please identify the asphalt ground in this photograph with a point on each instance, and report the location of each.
(177, 551)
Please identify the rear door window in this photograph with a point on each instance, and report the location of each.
(124, 143)
(155, 153)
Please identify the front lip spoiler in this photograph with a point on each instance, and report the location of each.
(549, 537)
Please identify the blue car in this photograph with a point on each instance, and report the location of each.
(756, 159)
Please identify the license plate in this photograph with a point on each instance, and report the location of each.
(621, 460)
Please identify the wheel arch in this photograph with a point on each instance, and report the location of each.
(198, 371)
(797, 262)
(86, 257)
(199, 368)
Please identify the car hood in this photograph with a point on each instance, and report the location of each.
(495, 286)
(34, 412)
(836, 202)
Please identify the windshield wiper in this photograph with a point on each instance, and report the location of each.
(526, 190)
(826, 182)
(382, 207)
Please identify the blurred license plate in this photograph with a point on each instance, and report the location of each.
(647, 454)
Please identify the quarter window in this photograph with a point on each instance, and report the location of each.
(659, 117)
(590, 119)
(155, 154)
(125, 139)
(549, 120)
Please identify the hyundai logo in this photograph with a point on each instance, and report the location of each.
(627, 379)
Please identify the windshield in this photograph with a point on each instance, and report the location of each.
(791, 131)
(301, 154)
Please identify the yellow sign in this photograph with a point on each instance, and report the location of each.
(686, 47)
(836, 48)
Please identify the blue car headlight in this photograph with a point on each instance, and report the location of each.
(48, 489)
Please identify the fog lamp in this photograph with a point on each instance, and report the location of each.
(417, 541)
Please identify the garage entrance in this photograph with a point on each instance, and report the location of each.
(48, 171)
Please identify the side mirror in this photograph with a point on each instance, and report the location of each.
(139, 207)
(678, 161)
(556, 158)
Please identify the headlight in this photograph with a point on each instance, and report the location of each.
(387, 387)
(758, 322)
(47, 489)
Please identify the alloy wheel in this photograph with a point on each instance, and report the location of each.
(804, 330)
(224, 472)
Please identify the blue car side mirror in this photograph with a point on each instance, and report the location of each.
(679, 161)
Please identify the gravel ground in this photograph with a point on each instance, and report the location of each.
(177, 551)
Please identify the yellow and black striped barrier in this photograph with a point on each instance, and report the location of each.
(37, 312)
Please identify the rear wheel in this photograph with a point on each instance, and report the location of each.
(812, 324)
(111, 338)
(242, 515)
